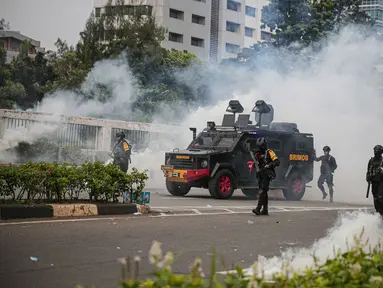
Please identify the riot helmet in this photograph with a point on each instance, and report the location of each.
(378, 150)
(120, 135)
(262, 144)
(326, 149)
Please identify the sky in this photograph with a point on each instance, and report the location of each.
(47, 20)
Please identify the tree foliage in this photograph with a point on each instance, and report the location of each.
(305, 21)
(296, 24)
(106, 36)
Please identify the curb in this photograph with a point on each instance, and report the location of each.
(20, 211)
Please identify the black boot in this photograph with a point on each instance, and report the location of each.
(331, 194)
(324, 194)
(257, 210)
(265, 210)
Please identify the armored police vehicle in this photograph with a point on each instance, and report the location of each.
(218, 158)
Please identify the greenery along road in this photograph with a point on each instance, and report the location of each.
(164, 77)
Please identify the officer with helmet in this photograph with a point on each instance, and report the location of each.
(327, 169)
(267, 161)
(374, 176)
(122, 152)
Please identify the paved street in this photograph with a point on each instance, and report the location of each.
(201, 198)
(85, 251)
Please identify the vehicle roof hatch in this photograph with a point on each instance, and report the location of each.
(264, 113)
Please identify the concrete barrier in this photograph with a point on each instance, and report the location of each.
(20, 211)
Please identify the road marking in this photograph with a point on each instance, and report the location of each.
(230, 211)
(163, 215)
(238, 212)
(58, 220)
(252, 206)
(196, 211)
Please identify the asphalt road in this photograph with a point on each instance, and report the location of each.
(201, 197)
(85, 251)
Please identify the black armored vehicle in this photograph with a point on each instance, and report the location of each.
(218, 158)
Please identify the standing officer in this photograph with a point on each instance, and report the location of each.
(122, 152)
(327, 169)
(267, 161)
(374, 176)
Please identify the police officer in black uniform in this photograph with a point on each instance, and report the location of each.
(327, 169)
(122, 152)
(374, 176)
(267, 161)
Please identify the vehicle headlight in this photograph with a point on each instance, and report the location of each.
(204, 164)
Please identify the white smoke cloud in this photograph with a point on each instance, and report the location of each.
(339, 238)
(336, 96)
(113, 74)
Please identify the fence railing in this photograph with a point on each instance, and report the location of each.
(86, 133)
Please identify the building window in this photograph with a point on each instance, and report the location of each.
(250, 11)
(249, 32)
(232, 27)
(98, 12)
(175, 37)
(232, 48)
(233, 5)
(2, 43)
(15, 45)
(265, 35)
(173, 13)
(198, 19)
(197, 42)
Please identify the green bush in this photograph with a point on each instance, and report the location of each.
(42, 182)
(361, 266)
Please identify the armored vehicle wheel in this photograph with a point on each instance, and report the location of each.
(177, 189)
(296, 187)
(222, 185)
(251, 193)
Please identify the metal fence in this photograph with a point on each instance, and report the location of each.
(92, 135)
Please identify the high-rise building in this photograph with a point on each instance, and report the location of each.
(374, 8)
(211, 29)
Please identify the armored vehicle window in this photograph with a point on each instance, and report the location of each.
(301, 145)
(217, 140)
(275, 145)
(226, 142)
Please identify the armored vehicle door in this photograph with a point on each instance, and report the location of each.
(245, 177)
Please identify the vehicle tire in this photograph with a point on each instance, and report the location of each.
(177, 189)
(222, 185)
(251, 193)
(296, 187)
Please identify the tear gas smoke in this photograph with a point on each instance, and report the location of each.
(336, 96)
(339, 238)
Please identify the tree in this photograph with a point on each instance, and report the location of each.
(9, 90)
(69, 70)
(304, 22)
(139, 38)
(4, 25)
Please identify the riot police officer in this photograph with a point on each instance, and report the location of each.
(374, 176)
(122, 152)
(267, 161)
(327, 169)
